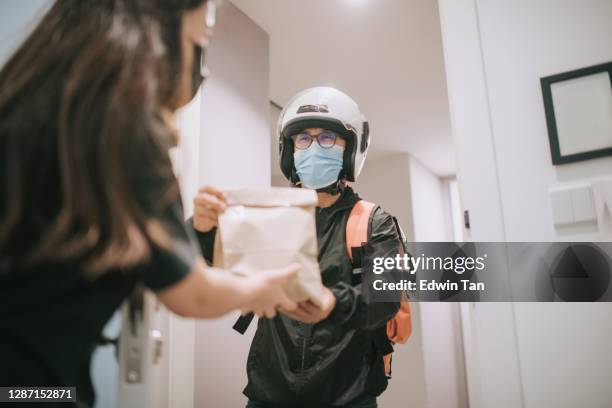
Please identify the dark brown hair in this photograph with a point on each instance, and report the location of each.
(81, 126)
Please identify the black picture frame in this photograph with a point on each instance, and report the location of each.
(551, 122)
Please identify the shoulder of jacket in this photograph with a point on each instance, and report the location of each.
(381, 225)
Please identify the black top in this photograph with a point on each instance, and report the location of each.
(337, 361)
(51, 316)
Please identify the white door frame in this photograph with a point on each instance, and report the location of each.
(488, 329)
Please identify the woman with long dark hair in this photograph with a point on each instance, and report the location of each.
(89, 205)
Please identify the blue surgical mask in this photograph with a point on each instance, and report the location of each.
(318, 167)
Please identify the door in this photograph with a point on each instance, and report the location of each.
(155, 347)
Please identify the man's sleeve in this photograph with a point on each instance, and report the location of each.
(206, 240)
(353, 307)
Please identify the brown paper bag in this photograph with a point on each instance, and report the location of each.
(271, 228)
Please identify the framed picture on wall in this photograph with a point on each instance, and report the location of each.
(578, 106)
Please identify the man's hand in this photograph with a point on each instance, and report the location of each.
(208, 205)
(308, 312)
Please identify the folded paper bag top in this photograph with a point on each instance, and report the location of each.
(272, 197)
(271, 228)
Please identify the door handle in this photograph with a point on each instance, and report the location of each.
(158, 342)
(134, 344)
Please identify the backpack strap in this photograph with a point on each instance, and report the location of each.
(399, 328)
(402, 236)
(357, 226)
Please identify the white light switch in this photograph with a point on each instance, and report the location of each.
(582, 204)
(602, 198)
(562, 207)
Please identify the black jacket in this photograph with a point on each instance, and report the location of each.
(338, 360)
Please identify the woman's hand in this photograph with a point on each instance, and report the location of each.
(208, 205)
(210, 292)
(266, 291)
(308, 312)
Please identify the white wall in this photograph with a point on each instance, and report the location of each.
(177, 363)
(428, 370)
(565, 354)
(234, 151)
(547, 37)
(430, 205)
(496, 51)
(407, 189)
(186, 157)
(385, 181)
(17, 19)
(442, 346)
(523, 41)
(444, 370)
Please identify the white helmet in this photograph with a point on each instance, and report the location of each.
(328, 108)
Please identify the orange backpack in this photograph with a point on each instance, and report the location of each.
(399, 328)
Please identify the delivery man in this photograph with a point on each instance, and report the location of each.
(319, 356)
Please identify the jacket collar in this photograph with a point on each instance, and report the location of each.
(347, 200)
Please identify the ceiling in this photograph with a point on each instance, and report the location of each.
(386, 54)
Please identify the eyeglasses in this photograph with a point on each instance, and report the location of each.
(210, 19)
(326, 140)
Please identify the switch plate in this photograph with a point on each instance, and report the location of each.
(563, 212)
(582, 204)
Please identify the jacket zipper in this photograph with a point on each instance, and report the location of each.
(303, 365)
(303, 353)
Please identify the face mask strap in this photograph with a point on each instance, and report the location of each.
(210, 20)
